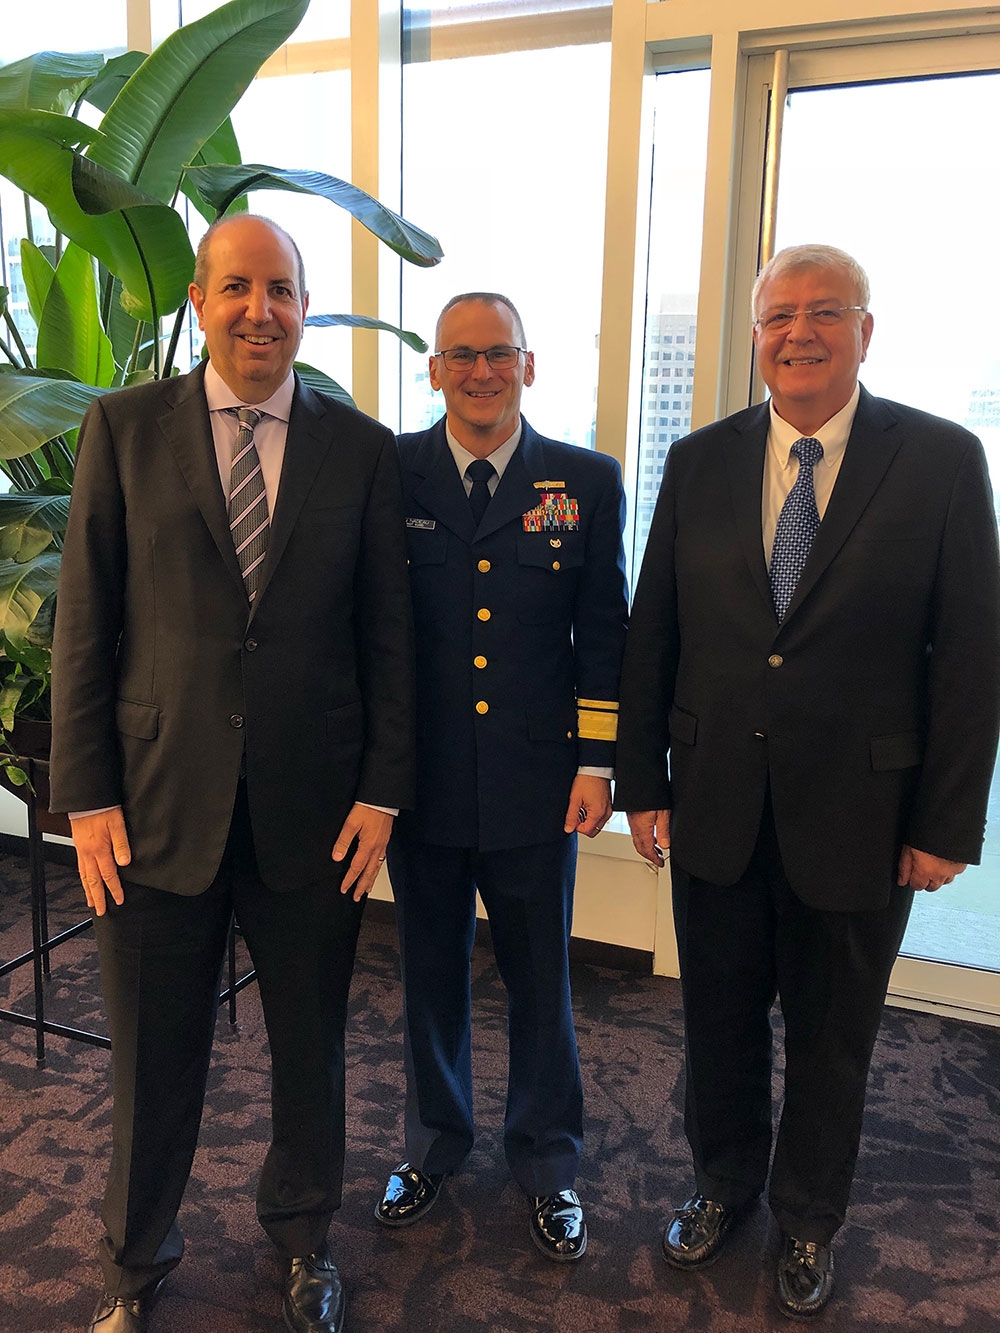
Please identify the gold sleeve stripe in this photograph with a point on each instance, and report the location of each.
(597, 726)
(604, 705)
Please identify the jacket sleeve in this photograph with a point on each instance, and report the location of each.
(85, 766)
(599, 620)
(650, 668)
(948, 815)
(384, 627)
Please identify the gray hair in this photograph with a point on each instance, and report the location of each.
(797, 257)
(483, 298)
(204, 245)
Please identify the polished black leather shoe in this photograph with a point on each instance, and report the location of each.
(558, 1227)
(408, 1195)
(115, 1314)
(698, 1231)
(312, 1295)
(805, 1277)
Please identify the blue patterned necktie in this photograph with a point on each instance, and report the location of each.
(248, 516)
(798, 524)
(480, 473)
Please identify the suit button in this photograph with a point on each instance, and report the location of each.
(483, 566)
(759, 736)
(482, 706)
(236, 720)
(483, 614)
(251, 645)
(556, 564)
(479, 661)
(569, 735)
(775, 660)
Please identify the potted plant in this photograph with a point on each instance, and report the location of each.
(108, 293)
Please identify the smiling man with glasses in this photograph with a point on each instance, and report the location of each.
(518, 582)
(809, 713)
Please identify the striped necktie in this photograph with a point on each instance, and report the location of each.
(797, 526)
(248, 517)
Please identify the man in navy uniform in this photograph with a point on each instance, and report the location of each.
(517, 573)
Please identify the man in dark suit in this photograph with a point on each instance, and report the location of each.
(518, 585)
(814, 641)
(232, 703)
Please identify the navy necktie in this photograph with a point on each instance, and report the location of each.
(248, 516)
(798, 524)
(480, 473)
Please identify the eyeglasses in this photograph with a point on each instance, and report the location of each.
(826, 317)
(464, 358)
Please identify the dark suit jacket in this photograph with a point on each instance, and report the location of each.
(544, 613)
(162, 678)
(871, 711)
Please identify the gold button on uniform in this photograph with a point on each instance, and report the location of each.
(775, 660)
(556, 564)
(483, 613)
(569, 735)
(483, 566)
(482, 706)
(480, 662)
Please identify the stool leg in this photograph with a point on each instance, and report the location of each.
(39, 933)
(232, 974)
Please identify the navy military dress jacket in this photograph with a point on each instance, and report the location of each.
(520, 629)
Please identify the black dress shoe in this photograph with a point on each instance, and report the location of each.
(558, 1227)
(116, 1314)
(312, 1296)
(805, 1277)
(408, 1195)
(698, 1231)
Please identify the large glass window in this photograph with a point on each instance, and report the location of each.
(895, 173)
(504, 161)
(680, 130)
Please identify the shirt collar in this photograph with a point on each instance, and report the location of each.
(832, 435)
(220, 396)
(500, 457)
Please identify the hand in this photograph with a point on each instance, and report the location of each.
(372, 829)
(101, 846)
(921, 870)
(651, 834)
(589, 806)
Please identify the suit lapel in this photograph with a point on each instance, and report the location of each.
(186, 426)
(307, 444)
(440, 490)
(871, 447)
(743, 455)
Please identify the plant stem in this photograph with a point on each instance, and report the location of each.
(29, 230)
(10, 355)
(15, 333)
(133, 360)
(168, 363)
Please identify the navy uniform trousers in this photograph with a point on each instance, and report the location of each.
(528, 896)
(161, 959)
(740, 947)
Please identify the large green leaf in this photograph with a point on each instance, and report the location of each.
(23, 589)
(147, 247)
(70, 336)
(221, 147)
(37, 273)
(413, 340)
(316, 379)
(35, 408)
(113, 78)
(30, 520)
(183, 92)
(221, 185)
(49, 80)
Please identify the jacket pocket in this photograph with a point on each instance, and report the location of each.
(683, 726)
(346, 724)
(139, 720)
(904, 749)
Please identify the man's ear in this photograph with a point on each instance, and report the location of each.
(197, 298)
(529, 369)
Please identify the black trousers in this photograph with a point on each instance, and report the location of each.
(161, 958)
(740, 947)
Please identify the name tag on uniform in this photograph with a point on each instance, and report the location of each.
(427, 524)
(556, 512)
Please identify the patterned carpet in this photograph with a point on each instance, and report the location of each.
(921, 1249)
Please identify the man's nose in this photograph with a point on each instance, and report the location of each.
(482, 369)
(801, 327)
(258, 309)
